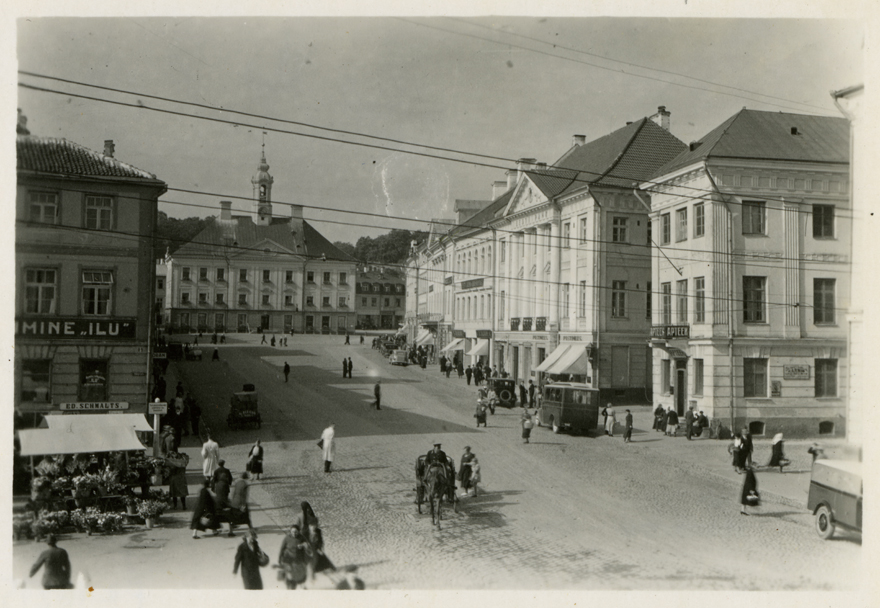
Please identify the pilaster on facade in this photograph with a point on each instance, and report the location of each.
(792, 280)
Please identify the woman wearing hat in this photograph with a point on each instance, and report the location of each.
(465, 471)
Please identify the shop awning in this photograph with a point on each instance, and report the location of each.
(553, 358)
(73, 424)
(424, 337)
(573, 361)
(480, 348)
(39, 442)
(454, 345)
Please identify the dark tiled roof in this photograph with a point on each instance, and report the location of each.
(59, 156)
(624, 157)
(484, 215)
(242, 230)
(759, 135)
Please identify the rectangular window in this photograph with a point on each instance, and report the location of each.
(618, 299)
(97, 286)
(582, 300)
(564, 303)
(203, 274)
(666, 303)
(387, 302)
(184, 274)
(160, 283)
(698, 376)
(43, 207)
(325, 301)
(219, 321)
(341, 301)
(755, 377)
(699, 220)
(373, 302)
(753, 213)
(310, 276)
(99, 212)
(40, 291)
(243, 275)
(681, 224)
(700, 300)
(310, 321)
(35, 380)
(203, 297)
(242, 299)
(501, 306)
(242, 321)
(826, 377)
(363, 301)
(266, 297)
(823, 221)
(326, 277)
(648, 298)
(184, 297)
(503, 252)
(93, 380)
(267, 276)
(218, 298)
(310, 300)
(664, 229)
(221, 274)
(342, 278)
(288, 276)
(823, 301)
(584, 235)
(566, 234)
(288, 300)
(650, 227)
(397, 302)
(681, 288)
(754, 299)
(618, 229)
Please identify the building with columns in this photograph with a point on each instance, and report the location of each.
(751, 281)
(260, 272)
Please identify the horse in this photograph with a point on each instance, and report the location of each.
(436, 489)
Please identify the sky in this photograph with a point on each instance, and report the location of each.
(507, 87)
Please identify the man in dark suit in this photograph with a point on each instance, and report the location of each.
(689, 418)
(628, 427)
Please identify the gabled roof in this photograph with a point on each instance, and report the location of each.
(484, 215)
(219, 234)
(759, 135)
(59, 156)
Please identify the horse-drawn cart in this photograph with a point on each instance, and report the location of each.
(435, 484)
(244, 408)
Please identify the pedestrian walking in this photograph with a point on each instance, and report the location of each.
(531, 394)
(239, 501)
(478, 375)
(263, 341)
(347, 341)
(362, 339)
(272, 341)
(286, 370)
(195, 413)
(377, 391)
(328, 445)
(56, 574)
(221, 483)
(211, 456)
(442, 364)
(605, 419)
(295, 553)
(523, 395)
(527, 425)
(216, 355)
(319, 562)
(344, 367)
(460, 369)
(671, 422)
(777, 457)
(628, 427)
(306, 517)
(250, 558)
(610, 419)
(204, 512)
(663, 418)
(689, 418)
(255, 460)
(748, 446)
(659, 414)
(464, 470)
(350, 366)
(177, 487)
(469, 373)
(749, 496)
(736, 450)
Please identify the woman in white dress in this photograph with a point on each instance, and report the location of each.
(328, 444)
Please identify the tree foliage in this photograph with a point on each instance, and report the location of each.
(391, 248)
(171, 232)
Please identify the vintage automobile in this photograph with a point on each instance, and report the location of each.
(505, 390)
(244, 408)
(398, 357)
(569, 405)
(835, 497)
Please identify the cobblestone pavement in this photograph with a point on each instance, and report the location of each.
(560, 513)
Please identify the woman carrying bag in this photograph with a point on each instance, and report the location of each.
(255, 460)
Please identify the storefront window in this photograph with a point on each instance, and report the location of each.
(35, 374)
(93, 380)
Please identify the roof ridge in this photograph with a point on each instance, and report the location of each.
(724, 131)
(623, 151)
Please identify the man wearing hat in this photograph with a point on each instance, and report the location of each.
(436, 456)
(222, 484)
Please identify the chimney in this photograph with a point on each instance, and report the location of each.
(578, 140)
(541, 166)
(225, 210)
(109, 148)
(499, 188)
(511, 178)
(21, 125)
(694, 145)
(661, 117)
(523, 164)
(467, 208)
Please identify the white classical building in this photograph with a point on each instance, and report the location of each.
(751, 277)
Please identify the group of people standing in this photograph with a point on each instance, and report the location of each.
(667, 420)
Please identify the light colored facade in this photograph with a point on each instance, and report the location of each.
(84, 287)
(752, 274)
(381, 298)
(261, 272)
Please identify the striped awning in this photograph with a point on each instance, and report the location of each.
(480, 348)
(552, 358)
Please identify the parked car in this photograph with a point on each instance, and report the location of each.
(569, 405)
(505, 390)
(398, 357)
(836, 496)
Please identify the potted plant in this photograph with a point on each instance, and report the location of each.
(150, 510)
(110, 522)
(84, 486)
(130, 501)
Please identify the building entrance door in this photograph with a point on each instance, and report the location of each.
(514, 351)
(264, 322)
(680, 385)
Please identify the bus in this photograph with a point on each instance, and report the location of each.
(569, 405)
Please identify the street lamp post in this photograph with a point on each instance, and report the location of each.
(413, 245)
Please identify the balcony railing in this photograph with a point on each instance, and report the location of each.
(527, 324)
(514, 324)
(540, 323)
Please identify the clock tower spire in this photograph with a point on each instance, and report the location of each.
(262, 183)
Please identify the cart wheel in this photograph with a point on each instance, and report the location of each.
(455, 505)
(824, 523)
